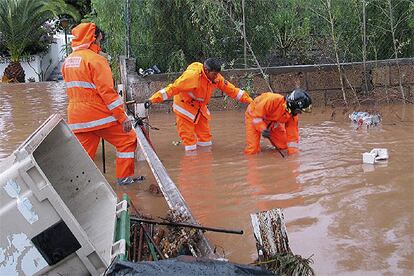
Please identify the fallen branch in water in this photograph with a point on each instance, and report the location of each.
(180, 224)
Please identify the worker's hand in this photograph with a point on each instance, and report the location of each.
(266, 133)
(292, 151)
(127, 125)
(147, 104)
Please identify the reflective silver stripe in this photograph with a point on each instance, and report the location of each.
(195, 98)
(192, 147)
(115, 104)
(292, 145)
(205, 144)
(183, 111)
(82, 46)
(208, 111)
(240, 94)
(257, 120)
(164, 94)
(83, 84)
(130, 154)
(91, 124)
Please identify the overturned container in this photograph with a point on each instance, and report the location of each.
(58, 213)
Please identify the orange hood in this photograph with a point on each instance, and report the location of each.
(84, 36)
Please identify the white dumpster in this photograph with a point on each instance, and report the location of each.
(57, 211)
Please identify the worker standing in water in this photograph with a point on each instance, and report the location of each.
(95, 110)
(275, 117)
(192, 92)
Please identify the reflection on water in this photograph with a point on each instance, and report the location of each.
(23, 107)
(354, 219)
(351, 218)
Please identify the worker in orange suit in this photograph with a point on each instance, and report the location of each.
(275, 117)
(95, 110)
(192, 92)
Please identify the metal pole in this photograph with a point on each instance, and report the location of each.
(103, 156)
(128, 28)
(213, 229)
(276, 147)
(244, 36)
(66, 42)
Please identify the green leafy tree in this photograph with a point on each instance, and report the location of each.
(173, 33)
(279, 29)
(109, 15)
(21, 24)
(82, 6)
(383, 21)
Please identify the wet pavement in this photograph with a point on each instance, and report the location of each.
(353, 218)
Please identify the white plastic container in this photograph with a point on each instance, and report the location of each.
(57, 211)
(380, 154)
(375, 155)
(368, 158)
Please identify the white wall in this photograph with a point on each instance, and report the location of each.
(43, 63)
(34, 61)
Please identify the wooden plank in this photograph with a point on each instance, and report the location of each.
(272, 245)
(270, 233)
(170, 191)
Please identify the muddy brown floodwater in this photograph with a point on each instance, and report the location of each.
(354, 219)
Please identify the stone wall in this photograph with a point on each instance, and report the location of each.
(322, 82)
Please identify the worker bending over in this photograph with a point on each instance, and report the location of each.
(192, 92)
(95, 110)
(275, 117)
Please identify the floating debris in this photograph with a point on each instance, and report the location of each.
(179, 241)
(152, 242)
(374, 156)
(364, 118)
(155, 190)
(176, 143)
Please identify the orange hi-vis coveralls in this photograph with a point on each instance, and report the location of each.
(95, 110)
(269, 111)
(192, 92)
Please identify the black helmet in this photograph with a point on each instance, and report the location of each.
(298, 101)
